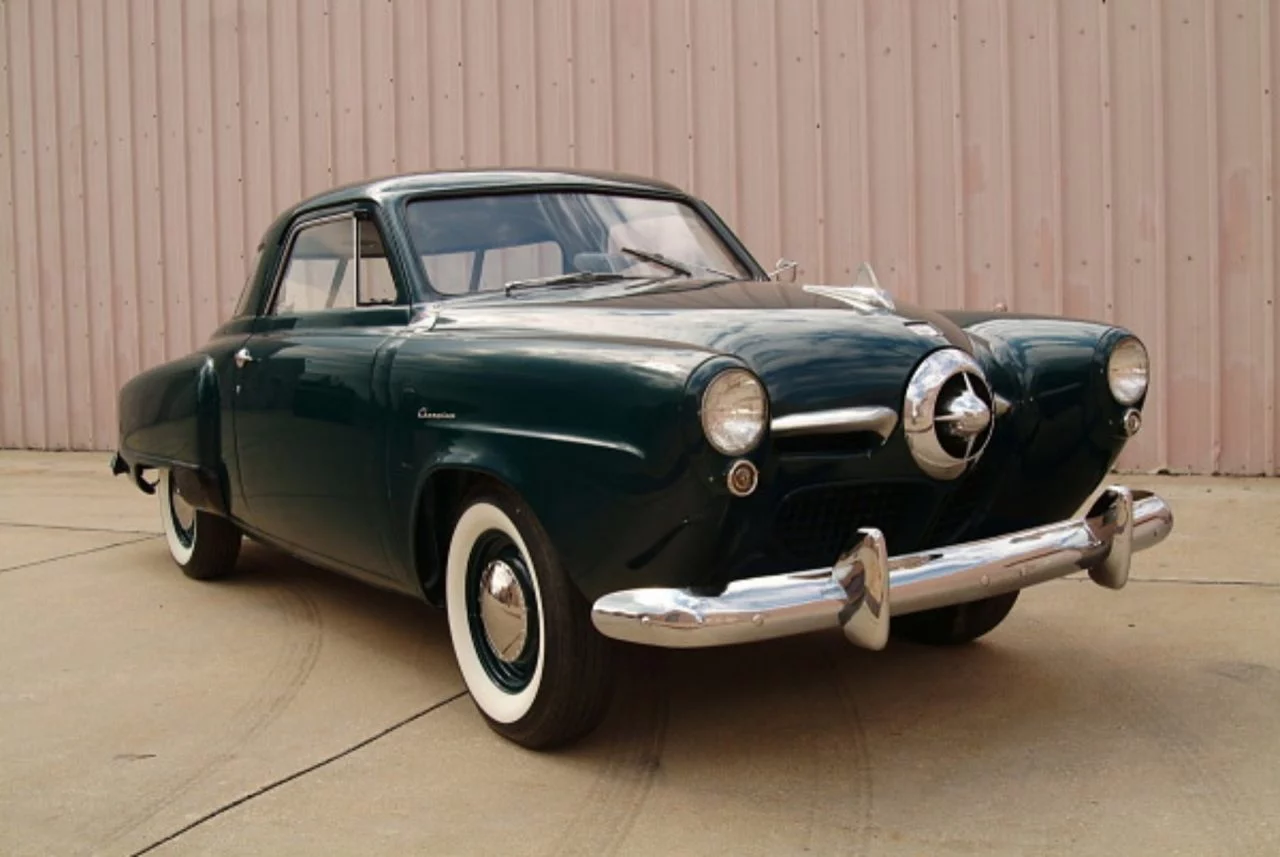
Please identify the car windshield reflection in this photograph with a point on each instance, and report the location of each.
(470, 245)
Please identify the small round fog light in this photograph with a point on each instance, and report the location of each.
(1131, 422)
(743, 478)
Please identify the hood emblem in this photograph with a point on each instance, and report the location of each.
(865, 293)
(859, 297)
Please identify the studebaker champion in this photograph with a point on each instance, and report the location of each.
(571, 407)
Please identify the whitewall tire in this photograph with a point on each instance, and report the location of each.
(501, 702)
(535, 667)
(205, 546)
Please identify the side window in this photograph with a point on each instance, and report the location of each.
(325, 271)
(320, 273)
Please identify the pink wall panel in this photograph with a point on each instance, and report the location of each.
(1112, 161)
(1247, 389)
(28, 396)
(12, 428)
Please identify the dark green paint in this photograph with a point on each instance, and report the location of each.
(585, 401)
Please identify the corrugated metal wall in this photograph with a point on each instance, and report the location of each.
(1111, 160)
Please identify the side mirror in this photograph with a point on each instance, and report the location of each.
(785, 271)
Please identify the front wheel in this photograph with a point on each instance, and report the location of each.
(956, 624)
(535, 667)
(205, 546)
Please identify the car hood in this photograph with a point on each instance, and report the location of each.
(814, 346)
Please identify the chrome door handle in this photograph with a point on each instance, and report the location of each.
(243, 357)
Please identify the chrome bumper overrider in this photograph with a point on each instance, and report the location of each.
(859, 590)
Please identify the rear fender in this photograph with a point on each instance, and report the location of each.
(170, 417)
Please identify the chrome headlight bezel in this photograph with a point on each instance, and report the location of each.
(1128, 371)
(734, 427)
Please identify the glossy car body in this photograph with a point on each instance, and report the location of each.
(348, 435)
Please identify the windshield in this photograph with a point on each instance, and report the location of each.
(483, 243)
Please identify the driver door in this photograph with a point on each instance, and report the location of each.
(310, 430)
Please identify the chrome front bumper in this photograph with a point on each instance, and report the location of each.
(858, 591)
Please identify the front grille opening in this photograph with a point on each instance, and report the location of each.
(956, 515)
(815, 524)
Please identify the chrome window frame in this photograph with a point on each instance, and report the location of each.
(306, 222)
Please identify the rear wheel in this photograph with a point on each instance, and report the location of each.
(536, 668)
(205, 546)
(956, 624)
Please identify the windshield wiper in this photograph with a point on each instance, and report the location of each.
(658, 259)
(681, 268)
(577, 278)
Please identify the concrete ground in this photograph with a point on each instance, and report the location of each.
(291, 711)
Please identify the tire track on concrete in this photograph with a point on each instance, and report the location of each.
(615, 800)
(293, 665)
(839, 819)
(1208, 794)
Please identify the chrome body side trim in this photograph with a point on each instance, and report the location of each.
(876, 419)
(864, 586)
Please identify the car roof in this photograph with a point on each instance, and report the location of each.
(455, 181)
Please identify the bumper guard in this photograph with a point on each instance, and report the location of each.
(856, 593)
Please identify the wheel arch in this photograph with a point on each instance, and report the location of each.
(437, 505)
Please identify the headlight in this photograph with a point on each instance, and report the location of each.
(1127, 371)
(734, 411)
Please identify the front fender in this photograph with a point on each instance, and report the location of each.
(1063, 431)
(592, 435)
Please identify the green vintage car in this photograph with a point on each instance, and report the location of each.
(570, 407)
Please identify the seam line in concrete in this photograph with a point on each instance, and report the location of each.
(272, 786)
(76, 554)
(79, 529)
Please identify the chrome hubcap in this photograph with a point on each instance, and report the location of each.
(183, 513)
(504, 615)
